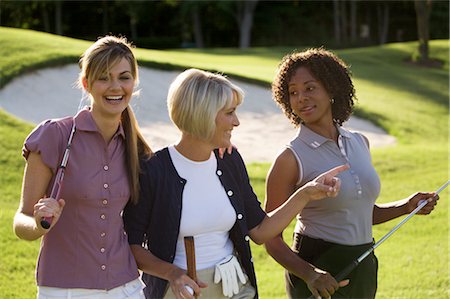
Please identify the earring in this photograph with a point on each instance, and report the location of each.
(332, 101)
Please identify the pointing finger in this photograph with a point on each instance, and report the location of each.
(336, 170)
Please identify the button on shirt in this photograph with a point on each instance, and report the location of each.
(88, 242)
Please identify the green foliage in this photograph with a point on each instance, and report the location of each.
(24, 50)
(410, 102)
(169, 23)
(17, 261)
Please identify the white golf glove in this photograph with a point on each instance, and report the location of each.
(228, 270)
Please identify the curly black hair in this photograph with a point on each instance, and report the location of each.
(325, 67)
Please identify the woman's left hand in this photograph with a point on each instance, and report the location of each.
(415, 199)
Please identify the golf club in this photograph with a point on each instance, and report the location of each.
(341, 275)
(189, 246)
(56, 189)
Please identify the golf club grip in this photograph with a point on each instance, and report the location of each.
(46, 222)
(347, 270)
(190, 258)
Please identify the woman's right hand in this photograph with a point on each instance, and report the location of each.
(322, 284)
(325, 185)
(179, 282)
(48, 208)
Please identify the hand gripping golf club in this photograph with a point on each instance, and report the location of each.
(347, 270)
(56, 189)
(189, 246)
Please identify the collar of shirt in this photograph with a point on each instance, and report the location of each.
(315, 140)
(85, 122)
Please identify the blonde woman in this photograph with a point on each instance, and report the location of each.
(186, 190)
(84, 253)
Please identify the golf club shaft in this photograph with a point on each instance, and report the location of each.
(341, 275)
(347, 270)
(46, 222)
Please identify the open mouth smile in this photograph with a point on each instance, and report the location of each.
(114, 98)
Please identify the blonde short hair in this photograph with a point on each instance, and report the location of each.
(194, 99)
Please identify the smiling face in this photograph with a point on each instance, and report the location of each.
(112, 92)
(226, 120)
(309, 99)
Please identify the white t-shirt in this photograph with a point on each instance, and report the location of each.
(206, 212)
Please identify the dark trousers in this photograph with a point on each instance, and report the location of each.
(333, 258)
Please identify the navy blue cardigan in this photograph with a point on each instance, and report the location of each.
(155, 220)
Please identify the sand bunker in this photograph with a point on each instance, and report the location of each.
(264, 130)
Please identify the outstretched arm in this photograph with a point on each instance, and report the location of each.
(392, 210)
(325, 185)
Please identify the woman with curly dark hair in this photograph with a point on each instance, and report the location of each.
(315, 91)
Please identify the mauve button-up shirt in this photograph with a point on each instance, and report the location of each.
(88, 247)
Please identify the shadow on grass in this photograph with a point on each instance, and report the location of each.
(376, 118)
(388, 67)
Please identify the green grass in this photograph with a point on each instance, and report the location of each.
(17, 260)
(409, 102)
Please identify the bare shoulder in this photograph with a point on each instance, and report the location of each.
(281, 179)
(285, 162)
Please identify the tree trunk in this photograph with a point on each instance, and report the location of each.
(245, 21)
(423, 9)
(133, 28)
(383, 22)
(58, 18)
(337, 23)
(344, 24)
(45, 17)
(198, 32)
(353, 12)
(105, 23)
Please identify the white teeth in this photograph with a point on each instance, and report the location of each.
(114, 97)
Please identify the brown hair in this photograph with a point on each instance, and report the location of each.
(104, 54)
(328, 69)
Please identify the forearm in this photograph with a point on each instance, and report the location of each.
(389, 211)
(150, 264)
(277, 220)
(281, 252)
(25, 227)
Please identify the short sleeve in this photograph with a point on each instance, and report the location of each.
(47, 140)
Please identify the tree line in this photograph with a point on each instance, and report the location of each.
(182, 23)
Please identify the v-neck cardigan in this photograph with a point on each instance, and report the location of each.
(154, 221)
